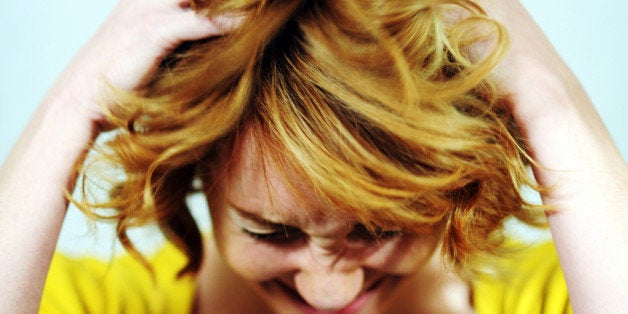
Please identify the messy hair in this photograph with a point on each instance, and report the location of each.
(380, 106)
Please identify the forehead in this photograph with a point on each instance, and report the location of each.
(255, 183)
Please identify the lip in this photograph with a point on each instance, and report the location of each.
(352, 308)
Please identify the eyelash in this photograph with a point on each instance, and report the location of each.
(275, 236)
(359, 233)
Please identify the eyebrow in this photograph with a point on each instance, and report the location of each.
(259, 219)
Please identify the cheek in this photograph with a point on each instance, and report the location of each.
(256, 262)
(404, 256)
(249, 259)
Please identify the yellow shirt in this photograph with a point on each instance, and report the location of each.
(531, 281)
(534, 284)
(90, 285)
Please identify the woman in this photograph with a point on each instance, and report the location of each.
(346, 154)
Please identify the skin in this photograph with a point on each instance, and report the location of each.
(327, 263)
(557, 119)
(580, 161)
(62, 128)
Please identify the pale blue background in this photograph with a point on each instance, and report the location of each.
(39, 37)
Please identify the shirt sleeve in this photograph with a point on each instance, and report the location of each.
(122, 285)
(529, 281)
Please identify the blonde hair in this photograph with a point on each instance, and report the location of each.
(376, 104)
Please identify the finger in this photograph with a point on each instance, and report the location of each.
(193, 26)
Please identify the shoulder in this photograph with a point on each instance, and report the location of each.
(530, 280)
(120, 285)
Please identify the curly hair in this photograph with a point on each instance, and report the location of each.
(378, 105)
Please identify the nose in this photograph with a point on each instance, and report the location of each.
(329, 289)
(328, 279)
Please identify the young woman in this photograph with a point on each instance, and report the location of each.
(357, 157)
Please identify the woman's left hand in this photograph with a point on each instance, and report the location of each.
(577, 160)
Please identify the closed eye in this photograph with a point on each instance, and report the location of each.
(286, 235)
(363, 234)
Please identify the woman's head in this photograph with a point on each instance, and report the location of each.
(297, 250)
(374, 106)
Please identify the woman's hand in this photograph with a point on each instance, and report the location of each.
(123, 54)
(131, 43)
(577, 160)
(546, 94)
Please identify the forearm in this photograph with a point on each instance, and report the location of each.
(32, 202)
(576, 159)
(124, 53)
(589, 192)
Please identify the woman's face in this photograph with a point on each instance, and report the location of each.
(298, 253)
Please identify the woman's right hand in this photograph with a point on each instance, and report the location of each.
(123, 54)
(129, 46)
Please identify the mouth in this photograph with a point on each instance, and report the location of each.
(354, 307)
